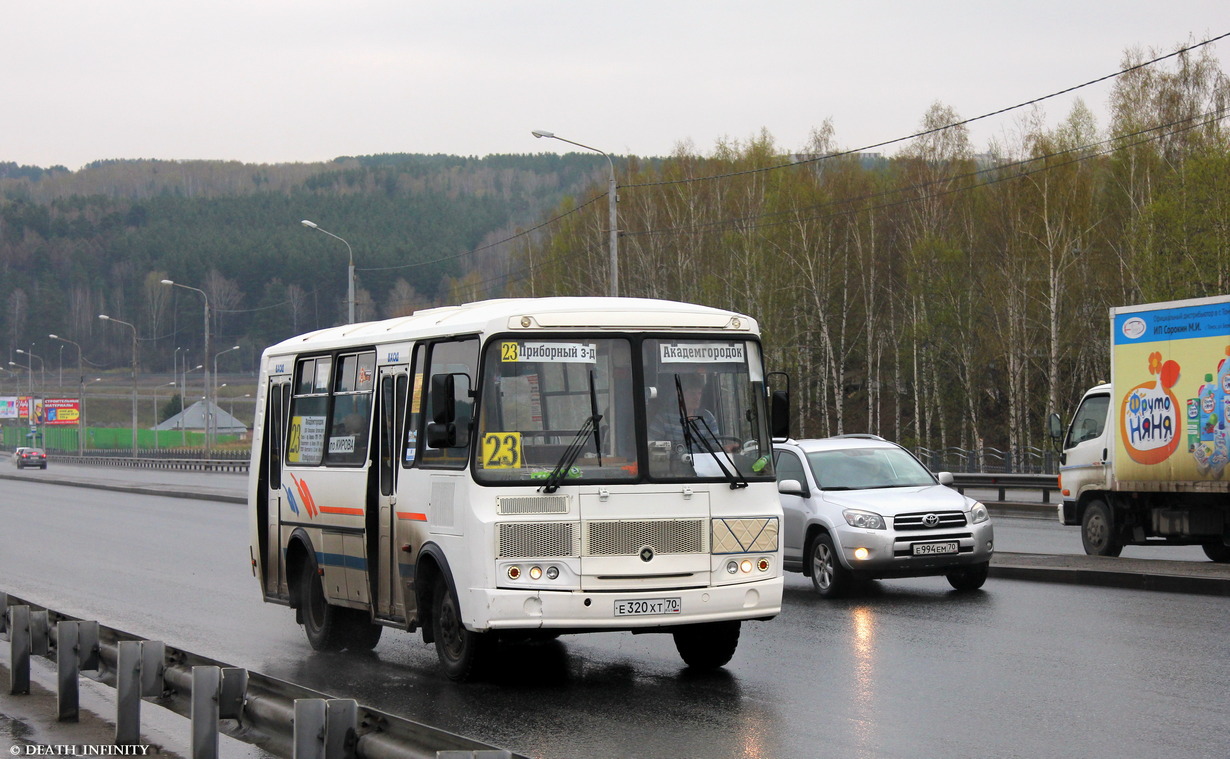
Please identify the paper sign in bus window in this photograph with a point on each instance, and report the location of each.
(307, 439)
(501, 450)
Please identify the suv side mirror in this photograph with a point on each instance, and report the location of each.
(792, 487)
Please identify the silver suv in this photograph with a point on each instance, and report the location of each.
(858, 507)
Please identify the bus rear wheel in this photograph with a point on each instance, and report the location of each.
(707, 646)
(463, 653)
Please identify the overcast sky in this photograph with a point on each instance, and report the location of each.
(270, 81)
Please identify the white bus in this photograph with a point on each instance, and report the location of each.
(520, 468)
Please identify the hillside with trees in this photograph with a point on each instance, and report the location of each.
(100, 240)
(938, 296)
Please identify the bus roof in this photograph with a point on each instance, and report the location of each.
(514, 314)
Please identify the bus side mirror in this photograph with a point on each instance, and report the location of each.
(443, 400)
(779, 414)
(779, 405)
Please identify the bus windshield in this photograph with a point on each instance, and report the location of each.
(565, 410)
(543, 397)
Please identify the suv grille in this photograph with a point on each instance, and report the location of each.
(942, 520)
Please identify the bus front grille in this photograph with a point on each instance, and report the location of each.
(628, 537)
(525, 540)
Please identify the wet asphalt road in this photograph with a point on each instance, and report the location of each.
(909, 669)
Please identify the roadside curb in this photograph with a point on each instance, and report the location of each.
(1136, 574)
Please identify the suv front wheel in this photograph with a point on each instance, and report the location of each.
(828, 576)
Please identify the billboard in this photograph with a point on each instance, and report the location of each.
(8, 407)
(62, 411)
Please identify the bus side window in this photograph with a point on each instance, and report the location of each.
(414, 414)
(458, 358)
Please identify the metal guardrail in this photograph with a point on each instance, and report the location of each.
(1002, 483)
(282, 718)
(179, 464)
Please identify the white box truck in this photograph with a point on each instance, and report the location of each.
(1145, 458)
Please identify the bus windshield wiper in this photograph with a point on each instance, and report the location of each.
(570, 454)
(706, 438)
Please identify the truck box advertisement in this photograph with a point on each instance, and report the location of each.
(1171, 379)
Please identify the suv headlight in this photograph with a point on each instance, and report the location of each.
(978, 513)
(868, 520)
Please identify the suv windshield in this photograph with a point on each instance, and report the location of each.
(867, 468)
(558, 410)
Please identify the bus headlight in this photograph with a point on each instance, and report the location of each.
(732, 567)
(514, 572)
(535, 573)
(552, 573)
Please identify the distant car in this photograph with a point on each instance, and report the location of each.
(858, 507)
(28, 457)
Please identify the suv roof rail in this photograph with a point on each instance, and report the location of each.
(861, 436)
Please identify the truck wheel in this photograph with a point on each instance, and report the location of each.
(969, 578)
(463, 653)
(828, 576)
(324, 623)
(1217, 551)
(707, 646)
(1098, 531)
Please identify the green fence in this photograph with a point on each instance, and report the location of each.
(105, 438)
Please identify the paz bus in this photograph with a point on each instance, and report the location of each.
(498, 471)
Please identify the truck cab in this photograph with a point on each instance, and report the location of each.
(1085, 454)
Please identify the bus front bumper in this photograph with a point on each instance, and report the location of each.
(631, 610)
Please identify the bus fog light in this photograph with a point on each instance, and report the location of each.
(552, 573)
(746, 565)
(732, 566)
(535, 573)
(861, 553)
(514, 572)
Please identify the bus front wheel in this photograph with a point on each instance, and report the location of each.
(322, 621)
(463, 653)
(707, 646)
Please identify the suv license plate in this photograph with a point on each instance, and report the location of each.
(930, 549)
(647, 606)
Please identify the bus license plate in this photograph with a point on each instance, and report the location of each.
(647, 606)
(930, 549)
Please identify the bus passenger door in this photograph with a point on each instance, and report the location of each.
(390, 410)
(270, 521)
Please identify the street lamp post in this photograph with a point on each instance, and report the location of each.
(183, 434)
(29, 375)
(228, 350)
(41, 367)
(208, 348)
(155, 399)
(612, 205)
(80, 390)
(133, 327)
(349, 270)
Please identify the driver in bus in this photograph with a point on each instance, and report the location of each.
(665, 424)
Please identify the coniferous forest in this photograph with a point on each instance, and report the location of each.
(933, 291)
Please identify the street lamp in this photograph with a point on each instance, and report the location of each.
(133, 327)
(80, 389)
(41, 367)
(29, 375)
(349, 271)
(209, 423)
(208, 348)
(183, 435)
(612, 205)
(155, 398)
